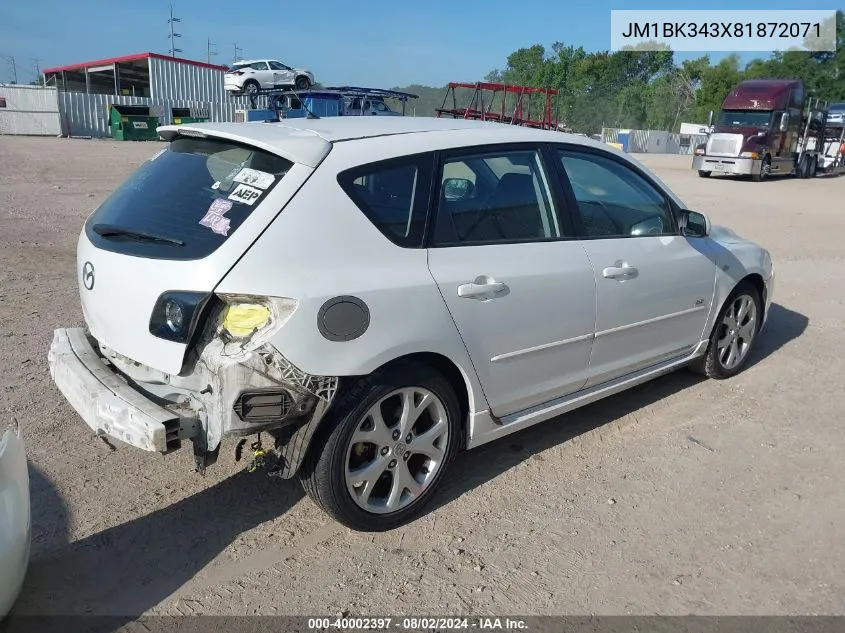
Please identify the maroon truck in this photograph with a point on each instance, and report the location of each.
(769, 127)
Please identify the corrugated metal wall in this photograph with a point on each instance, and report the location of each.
(172, 80)
(30, 110)
(642, 141)
(87, 115)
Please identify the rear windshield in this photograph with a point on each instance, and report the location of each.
(187, 200)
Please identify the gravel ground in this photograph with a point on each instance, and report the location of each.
(680, 496)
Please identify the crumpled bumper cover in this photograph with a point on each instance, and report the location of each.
(102, 399)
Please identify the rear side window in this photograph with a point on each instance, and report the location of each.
(186, 201)
(393, 194)
(501, 196)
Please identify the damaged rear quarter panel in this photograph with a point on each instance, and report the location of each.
(221, 367)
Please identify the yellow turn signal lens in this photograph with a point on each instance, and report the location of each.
(242, 319)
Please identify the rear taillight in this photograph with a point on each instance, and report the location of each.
(254, 318)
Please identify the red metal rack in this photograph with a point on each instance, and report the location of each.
(484, 95)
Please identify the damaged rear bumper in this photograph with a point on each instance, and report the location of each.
(225, 390)
(108, 404)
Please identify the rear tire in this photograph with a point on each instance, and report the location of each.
(367, 467)
(251, 87)
(735, 333)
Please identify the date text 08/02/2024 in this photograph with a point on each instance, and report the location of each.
(723, 29)
(415, 624)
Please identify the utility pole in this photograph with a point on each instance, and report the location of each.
(13, 68)
(236, 51)
(172, 21)
(210, 51)
(37, 63)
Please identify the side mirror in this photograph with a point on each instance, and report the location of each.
(784, 122)
(694, 224)
(457, 188)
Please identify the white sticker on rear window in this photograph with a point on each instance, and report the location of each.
(247, 195)
(254, 177)
(214, 218)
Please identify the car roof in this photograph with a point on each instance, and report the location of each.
(252, 61)
(308, 141)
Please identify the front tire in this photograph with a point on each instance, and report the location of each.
(704, 174)
(734, 334)
(383, 449)
(302, 83)
(765, 170)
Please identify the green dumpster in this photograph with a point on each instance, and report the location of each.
(189, 115)
(132, 123)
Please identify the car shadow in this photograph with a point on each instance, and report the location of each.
(475, 467)
(49, 515)
(127, 569)
(743, 178)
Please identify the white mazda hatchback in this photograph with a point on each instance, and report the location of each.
(367, 296)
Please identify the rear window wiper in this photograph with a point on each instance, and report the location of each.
(109, 230)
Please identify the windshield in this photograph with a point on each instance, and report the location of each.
(187, 200)
(744, 118)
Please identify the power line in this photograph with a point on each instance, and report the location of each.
(173, 35)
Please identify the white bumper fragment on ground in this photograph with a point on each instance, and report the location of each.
(106, 403)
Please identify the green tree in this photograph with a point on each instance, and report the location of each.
(716, 83)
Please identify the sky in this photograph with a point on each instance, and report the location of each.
(350, 42)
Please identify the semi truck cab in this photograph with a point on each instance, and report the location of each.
(761, 130)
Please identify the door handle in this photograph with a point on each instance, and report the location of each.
(482, 287)
(620, 270)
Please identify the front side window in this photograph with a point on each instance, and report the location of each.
(614, 200)
(393, 195)
(278, 66)
(186, 201)
(494, 197)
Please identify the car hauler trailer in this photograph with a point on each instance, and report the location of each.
(289, 103)
(769, 127)
(487, 101)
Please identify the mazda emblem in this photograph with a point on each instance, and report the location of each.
(88, 275)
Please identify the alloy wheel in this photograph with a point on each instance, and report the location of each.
(397, 450)
(737, 331)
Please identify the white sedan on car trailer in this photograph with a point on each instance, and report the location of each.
(375, 294)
